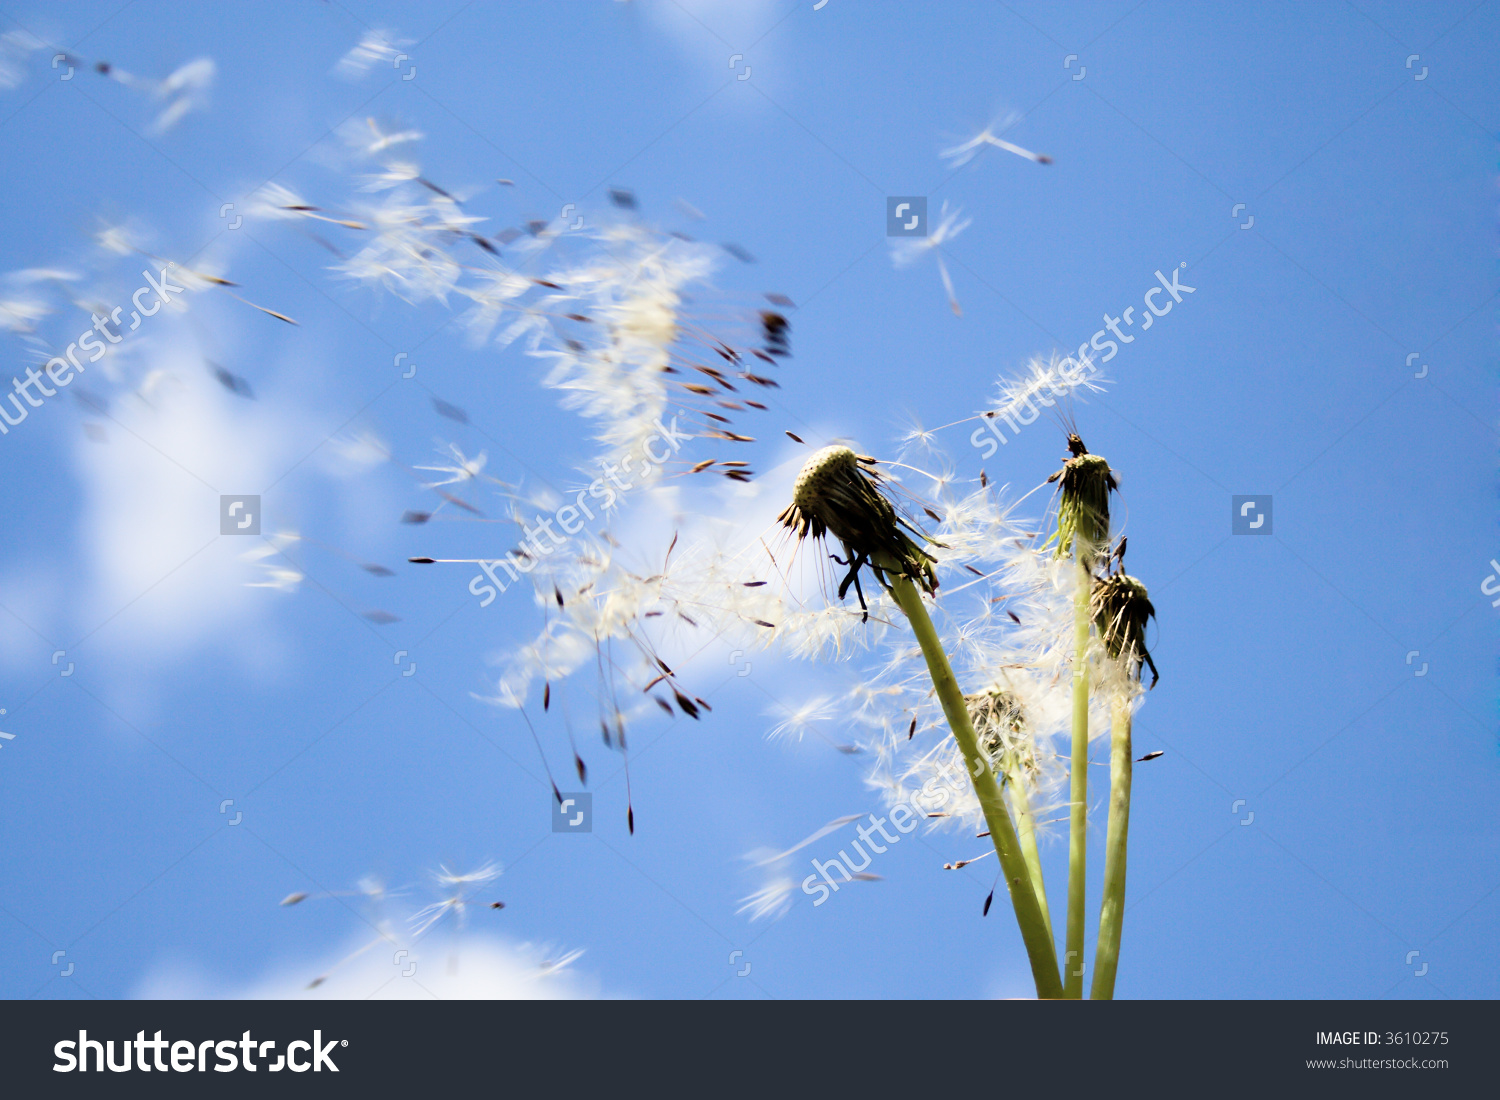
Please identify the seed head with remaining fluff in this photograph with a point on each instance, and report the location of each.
(998, 720)
(1120, 608)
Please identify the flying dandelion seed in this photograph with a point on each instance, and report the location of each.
(908, 250)
(459, 889)
(377, 47)
(187, 90)
(961, 154)
(799, 720)
(465, 469)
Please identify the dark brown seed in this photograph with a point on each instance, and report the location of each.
(1151, 755)
(546, 696)
(987, 901)
(971, 569)
(912, 730)
(583, 772)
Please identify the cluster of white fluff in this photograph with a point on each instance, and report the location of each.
(607, 307)
(603, 304)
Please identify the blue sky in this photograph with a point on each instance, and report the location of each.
(1324, 807)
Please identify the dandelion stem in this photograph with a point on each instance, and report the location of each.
(1029, 913)
(1079, 794)
(1112, 911)
(1020, 803)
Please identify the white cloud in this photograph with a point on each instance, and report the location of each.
(150, 527)
(474, 968)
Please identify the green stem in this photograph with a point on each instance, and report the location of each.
(1034, 930)
(1112, 911)
(1078, 815)
(1020, 802)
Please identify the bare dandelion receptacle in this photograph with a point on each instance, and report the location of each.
(838, 493)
